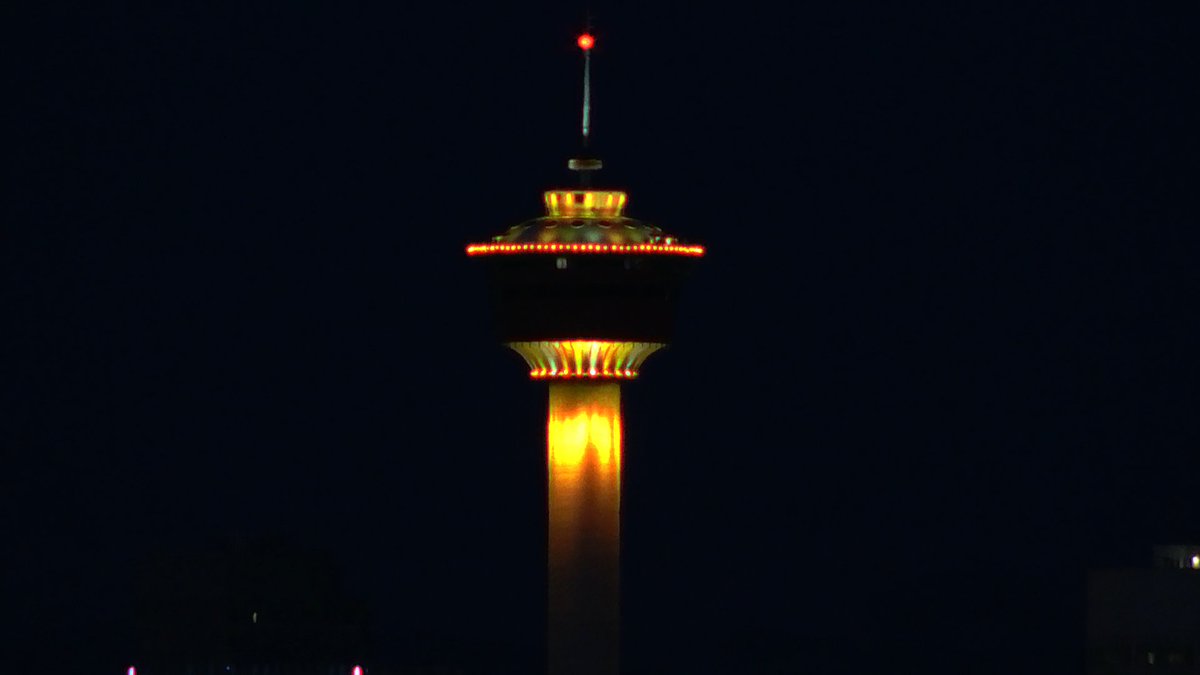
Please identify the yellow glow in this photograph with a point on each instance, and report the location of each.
(584, 424)
(584, 204)
(582, 435)
(1196, 562)
(568, 440)
(583, 445)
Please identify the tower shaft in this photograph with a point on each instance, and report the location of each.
(584, 471)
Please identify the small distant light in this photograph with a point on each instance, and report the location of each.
(586, 42)
(131, 671)
(357, 670)
(1196, 562)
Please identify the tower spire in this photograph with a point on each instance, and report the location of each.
(584, 164)
(586, 42)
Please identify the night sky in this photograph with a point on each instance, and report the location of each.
(939, 362)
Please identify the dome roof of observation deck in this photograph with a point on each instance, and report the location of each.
(550, 230)
(584, 221)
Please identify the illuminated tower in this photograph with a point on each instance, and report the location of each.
(584, 294)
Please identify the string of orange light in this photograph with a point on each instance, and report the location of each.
(546, 374)
(658, 249)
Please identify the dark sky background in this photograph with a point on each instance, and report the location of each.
(939, 362)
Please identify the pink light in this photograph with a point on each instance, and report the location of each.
(357, 670)
(131, 671)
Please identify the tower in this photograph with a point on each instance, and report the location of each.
(584, 294)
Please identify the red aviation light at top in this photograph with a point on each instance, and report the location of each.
(586, 41)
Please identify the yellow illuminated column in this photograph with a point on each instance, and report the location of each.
(584, 466)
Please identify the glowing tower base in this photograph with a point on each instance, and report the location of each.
(584, 467)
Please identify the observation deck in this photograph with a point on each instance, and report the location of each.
(584, 272)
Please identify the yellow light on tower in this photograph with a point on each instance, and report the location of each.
(584, 425)
(583, 465)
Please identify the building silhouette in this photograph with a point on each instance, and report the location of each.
(257, 605)
(1146, 620)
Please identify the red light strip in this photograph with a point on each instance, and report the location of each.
(659, 249)
(545, 374)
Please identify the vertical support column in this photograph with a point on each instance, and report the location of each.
(583, 463)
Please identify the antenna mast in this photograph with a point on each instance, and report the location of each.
(585, 165)
(586, 41)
